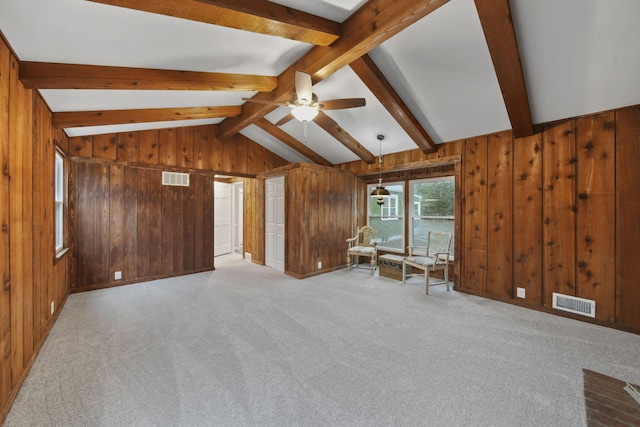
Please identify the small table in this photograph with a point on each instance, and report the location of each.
(390, 265)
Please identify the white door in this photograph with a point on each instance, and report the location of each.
(238, 216)
(222, 218)
(274, 223)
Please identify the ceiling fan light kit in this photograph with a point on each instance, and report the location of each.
(304, 113)
(305, 107)
(379, 192)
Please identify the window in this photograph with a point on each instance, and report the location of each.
(433, 207)
(59, 198)
(388, 218)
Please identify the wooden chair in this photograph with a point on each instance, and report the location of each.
(363, 244)
(433, 256)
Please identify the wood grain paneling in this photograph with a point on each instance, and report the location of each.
(500, 215)
(167, 147)
(149, 147)
(475, 214)
(104, 146)
(595, 232)
(627, 222)
(125, 220)
(527, 217)
(559, 207)
(5, 221)
(31, 279)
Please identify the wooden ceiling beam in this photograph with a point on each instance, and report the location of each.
(366, 29)
(45, 75)
(333, 129)
(258, 16)
(71, 119)
(377, 83)
(281, 135)
(495, 17)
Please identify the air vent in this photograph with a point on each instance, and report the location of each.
(175, 179)
(585, 307)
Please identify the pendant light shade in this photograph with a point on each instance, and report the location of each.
(379, 192)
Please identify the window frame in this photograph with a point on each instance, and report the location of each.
(60, 204)
(395, 217)
(412, 195)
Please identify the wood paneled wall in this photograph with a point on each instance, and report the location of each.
(194, 148)
(32, 279)
(125, 220)
(554, 212)
(319, 206)
(557, 212)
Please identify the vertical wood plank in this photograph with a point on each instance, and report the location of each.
(104, 146)
(116, 220)
(500, 215)
(185, 147)
(167, 147)
(130, 243)
(207, 223)
(190, 217)
(559, 206)
(155, 222)
(527, 217)
(168, 225)
(84, 230)
(198, 223)
(20, 210)
(142, 225)
(627, 223)
(200, 147)
(5, 277)
(178, 228)
(100, 256)
(149, 147)
(81, 146)
(595, 232)
(475, 216)
(128, 147)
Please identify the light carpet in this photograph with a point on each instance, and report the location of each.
(247, 346)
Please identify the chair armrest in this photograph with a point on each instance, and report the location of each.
(445, 258)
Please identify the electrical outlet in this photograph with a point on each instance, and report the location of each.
(117, 275)
(53, 307)
(319, 265)
(520, 292)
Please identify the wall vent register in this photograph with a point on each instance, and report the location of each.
(175, 179)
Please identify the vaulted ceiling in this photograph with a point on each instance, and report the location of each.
(430, 71)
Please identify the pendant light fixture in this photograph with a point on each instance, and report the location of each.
(380, 191)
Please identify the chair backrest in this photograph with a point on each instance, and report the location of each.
(438, 242)
(367, 236)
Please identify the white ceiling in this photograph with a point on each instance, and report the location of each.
(578, 57)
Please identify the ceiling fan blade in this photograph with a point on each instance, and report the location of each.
(337, 104)
(284, 120)
(303, 88)
(264, 101)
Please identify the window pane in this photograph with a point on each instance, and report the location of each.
(389, 232)
(388, 218)
(59, 194)
(433, 208)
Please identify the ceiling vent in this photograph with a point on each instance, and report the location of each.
(175, 179)
(585, 307)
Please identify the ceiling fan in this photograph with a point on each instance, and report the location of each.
(305, 107)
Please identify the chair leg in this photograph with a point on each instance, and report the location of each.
(348, 263)
(404, 272)
(446, 275)
(373, 265)
(426, 281)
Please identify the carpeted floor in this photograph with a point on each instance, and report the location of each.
(247, 346)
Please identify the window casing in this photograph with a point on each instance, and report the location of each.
(433, 208)
(60, 195)
(430, 206)
(388, 218)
